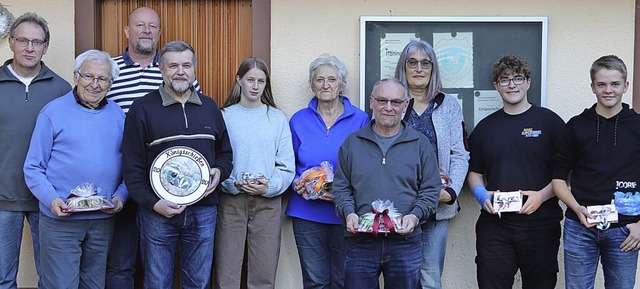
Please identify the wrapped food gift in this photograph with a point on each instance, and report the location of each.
(84, 198)
(384, 218)
(253, 178)
(446, 182)
(318, 181)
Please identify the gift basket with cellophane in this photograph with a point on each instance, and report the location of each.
(84, 198)
(383, 218)
(318, 181)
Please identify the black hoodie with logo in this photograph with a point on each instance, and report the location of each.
(602, 155)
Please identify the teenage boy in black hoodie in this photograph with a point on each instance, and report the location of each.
(600, 148)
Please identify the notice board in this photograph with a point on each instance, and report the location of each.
(466, 48)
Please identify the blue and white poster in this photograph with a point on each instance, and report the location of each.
(455, 58)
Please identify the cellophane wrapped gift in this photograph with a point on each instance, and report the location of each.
(84, 198)
(253, 178)
(318, 181)
(446, 182)
(383, 218)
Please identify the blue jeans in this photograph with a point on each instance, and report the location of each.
(10, 240)
(434, 246)
(74, 252)
(193, 231)
(584, 246)
(124, 249)
(321, 252)
(398, 258)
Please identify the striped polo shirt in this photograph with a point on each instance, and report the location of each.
(135, 81)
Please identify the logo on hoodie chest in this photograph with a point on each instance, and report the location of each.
(530, 132)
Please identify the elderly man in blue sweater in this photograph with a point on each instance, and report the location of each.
(76, 144)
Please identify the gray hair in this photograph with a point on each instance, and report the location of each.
(332, 61)
(31, 18)
(435, 83)
(100, 56)
(392, 80)
(176, 46)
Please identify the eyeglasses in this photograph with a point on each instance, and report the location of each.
(413, 63)
(516, 80)
(24, 42)
(90, 78)
(393, 102)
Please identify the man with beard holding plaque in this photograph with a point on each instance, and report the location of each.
(175, 115)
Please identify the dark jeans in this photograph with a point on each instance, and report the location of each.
(124, 249)
(192, 232)
(502, 251)
(321, 252)
(399, 259)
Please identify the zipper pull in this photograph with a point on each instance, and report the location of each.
(384, 160)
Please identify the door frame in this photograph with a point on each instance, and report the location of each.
(86, 24)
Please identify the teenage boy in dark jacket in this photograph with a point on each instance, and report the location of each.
(513, 150)
(600, 148)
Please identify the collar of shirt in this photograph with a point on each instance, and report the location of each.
(129, 62)
(102, 103)
(167, 99)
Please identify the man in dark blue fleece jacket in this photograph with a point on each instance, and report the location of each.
(174, 117)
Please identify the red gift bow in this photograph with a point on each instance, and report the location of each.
(385, 219)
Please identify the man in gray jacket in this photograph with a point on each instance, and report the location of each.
(387, 161)
(27, 85)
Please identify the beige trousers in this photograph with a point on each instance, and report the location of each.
(250, 221)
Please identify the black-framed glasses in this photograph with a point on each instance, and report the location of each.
(413, 63)
(517, 80)
(90, 78)
(393, 102)
(24, 42)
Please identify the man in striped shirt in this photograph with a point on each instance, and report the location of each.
(139, 72)
(139, 75)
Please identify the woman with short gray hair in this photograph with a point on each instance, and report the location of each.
(317, 132)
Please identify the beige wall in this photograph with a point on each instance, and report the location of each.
(579, 32)
(59, 15)
(59, 57)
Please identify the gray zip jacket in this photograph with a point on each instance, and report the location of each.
(19, 107)
(453, 157)
(365, 175)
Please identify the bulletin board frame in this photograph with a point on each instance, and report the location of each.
(476, 43)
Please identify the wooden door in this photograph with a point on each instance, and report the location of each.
(220, 32)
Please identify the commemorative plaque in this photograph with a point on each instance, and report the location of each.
(180, 174)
